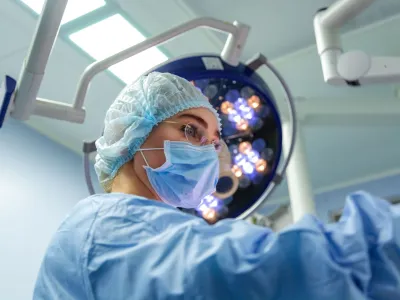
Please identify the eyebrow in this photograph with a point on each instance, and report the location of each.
(201, 121)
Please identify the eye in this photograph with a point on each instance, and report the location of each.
(183, 128)
(194, 133)
(191, 131)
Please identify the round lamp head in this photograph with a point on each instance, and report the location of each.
(251, 130)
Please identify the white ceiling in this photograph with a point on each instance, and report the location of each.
(338, 155)
(284, 26)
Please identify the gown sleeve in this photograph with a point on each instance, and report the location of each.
(356, 258)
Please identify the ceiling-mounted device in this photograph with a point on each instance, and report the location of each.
(353, 68)
(252, 127)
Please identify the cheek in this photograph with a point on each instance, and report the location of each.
(154, 158)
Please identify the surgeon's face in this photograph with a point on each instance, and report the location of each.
(200, 118)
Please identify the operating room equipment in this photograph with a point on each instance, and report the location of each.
(242, 111)
(353, 68)
(25, 101)
(228, 183)
(251, 129)
(21, 103)
(251, 126)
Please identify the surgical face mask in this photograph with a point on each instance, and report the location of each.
(189, 174)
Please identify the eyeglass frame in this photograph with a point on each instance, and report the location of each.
(208, 142)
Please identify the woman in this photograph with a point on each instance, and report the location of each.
(159, 151)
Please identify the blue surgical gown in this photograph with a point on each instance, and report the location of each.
(117, 246)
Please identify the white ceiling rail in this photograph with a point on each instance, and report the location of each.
(347, 111)
(352, 68)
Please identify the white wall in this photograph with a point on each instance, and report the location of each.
(40, 182)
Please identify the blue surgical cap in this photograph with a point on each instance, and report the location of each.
(140, 106)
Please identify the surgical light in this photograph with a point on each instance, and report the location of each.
(234, 116)
(202, 207)
(245, 147)
(246, 92)
(249, 115)
(259, 145)
(252, 115)
(211, 207)
(261, 165)
(223, 75)
(240, 160)
(253, 156)
(237, 171)
(208, 199)
(214, 203)
(210, 215)
(226, 107)
(210, 91)
(242, 124)
(238, 157)
(267, 154)
(248, 168)
(239, 103)
(244, 109)
(254, 101)
(244, 182)
(232, 95)
(256, 123)
(234, 149)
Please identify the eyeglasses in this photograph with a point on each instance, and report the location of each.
(197, 135)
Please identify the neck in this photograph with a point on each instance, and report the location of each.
(128, 182)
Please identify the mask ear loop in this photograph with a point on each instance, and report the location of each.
(148, 149)
(144, 157)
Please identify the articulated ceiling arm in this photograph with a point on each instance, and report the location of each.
(355, 67)
(230, 54)
(24, 101)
